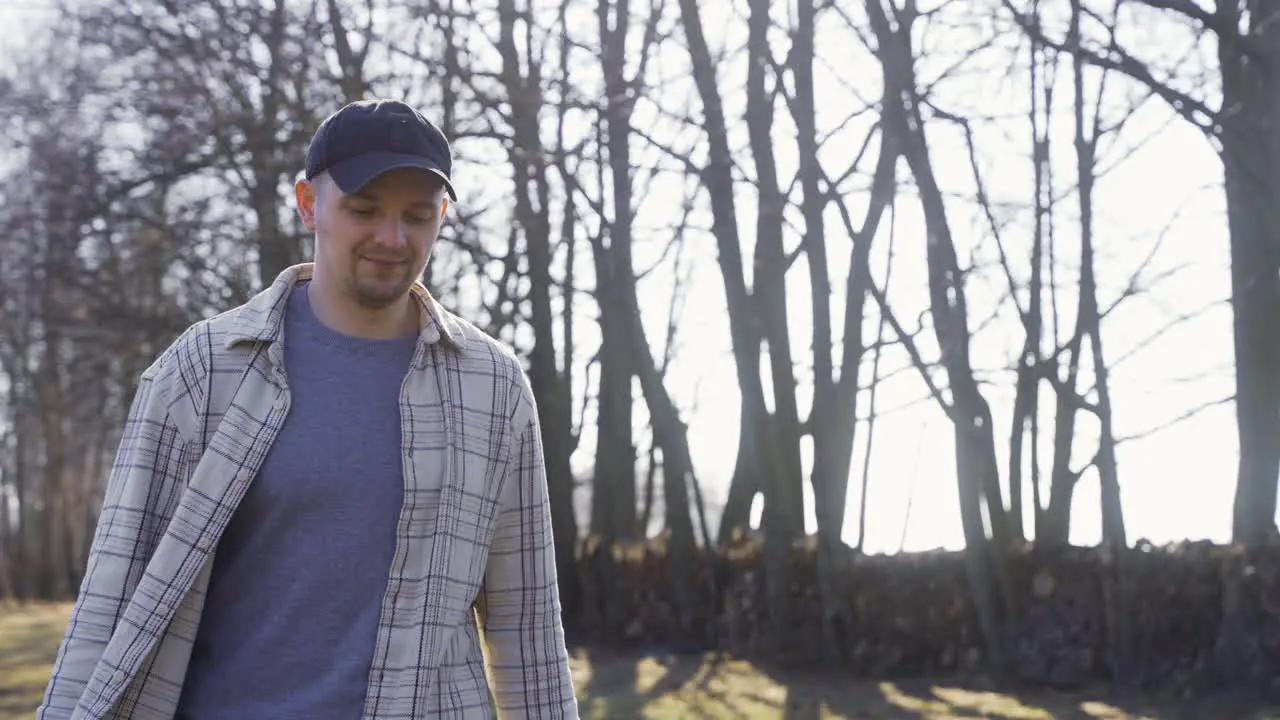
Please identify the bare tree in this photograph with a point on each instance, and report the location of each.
(833, 417)
(523, 81)
(768, 459)
(784, 504)
(613, 506)
(970, 414)
(760, 453)
(1025, 430)
(236, 80)
(1247, 41)
(1088, 322)
(351, 75)
(88, 265)
(1056, 525)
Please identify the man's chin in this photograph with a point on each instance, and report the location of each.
(379, 297)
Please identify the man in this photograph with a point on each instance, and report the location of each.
(324, 496)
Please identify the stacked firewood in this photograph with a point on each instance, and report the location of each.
(1178, 614)
(627, 597)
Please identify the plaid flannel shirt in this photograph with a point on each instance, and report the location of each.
(205, 413)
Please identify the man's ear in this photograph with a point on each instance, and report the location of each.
(304, 192)
(444, 206)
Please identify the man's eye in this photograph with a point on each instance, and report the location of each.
(416, 220)
(361, 212)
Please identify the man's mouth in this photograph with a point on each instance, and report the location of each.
(384, 263)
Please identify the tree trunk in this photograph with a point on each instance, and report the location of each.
(1026, 405)
(833, 420)
(1250, 152)
(761, 458)
(783, 517)
(670, 433)
(614, 492)
(1112, 512)
(613, 488)
(525, 153)
(351, 78)
(1088, 320)
(784, 494)
(744, 485)
(976, 470)
(276, 250)
(833, 417)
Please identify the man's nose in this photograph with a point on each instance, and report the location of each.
(390, 233)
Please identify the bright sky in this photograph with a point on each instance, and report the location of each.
(1176, 483)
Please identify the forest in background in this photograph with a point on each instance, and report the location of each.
(149, 149)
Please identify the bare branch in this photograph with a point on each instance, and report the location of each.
(1182, 417)
(1113, 57)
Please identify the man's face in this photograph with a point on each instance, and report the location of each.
(372, 245)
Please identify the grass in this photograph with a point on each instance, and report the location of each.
(28, 639)
(714, 687)
(612, 686)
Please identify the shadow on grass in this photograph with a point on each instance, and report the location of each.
(819, 696)
(712, 686)
(632, 685)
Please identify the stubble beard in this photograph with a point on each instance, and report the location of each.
(379, 296)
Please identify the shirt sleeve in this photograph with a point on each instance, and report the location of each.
(149, 460)
(523, 630)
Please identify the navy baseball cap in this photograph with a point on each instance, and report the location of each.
(366, 138)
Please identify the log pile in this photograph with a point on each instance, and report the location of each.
(1177, 615)
(627, 600)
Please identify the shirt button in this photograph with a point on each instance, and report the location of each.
(118, 678)
(243, 477)
(162, 609)
(280, 405)
(203, 543)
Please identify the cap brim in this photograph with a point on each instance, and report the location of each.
(353, 174)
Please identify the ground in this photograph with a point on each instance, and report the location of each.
(711, 687)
